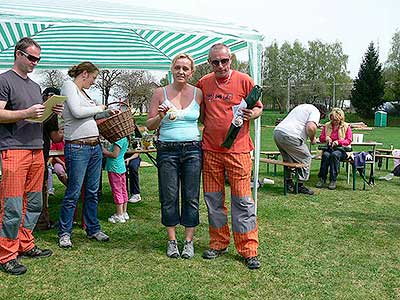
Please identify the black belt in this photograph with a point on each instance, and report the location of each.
(89, 142)
(177, 144)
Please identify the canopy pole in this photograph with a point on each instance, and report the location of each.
(255, 61)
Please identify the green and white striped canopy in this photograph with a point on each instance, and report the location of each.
(111, 35)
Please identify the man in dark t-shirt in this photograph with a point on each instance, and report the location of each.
(21, 144)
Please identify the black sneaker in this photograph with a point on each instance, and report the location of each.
(35, 252)
(321, 183)
(305, 190)
(13, 267)
(253, 263)
(290, 186)
(214, 253)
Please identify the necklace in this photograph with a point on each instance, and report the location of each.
(225, 82)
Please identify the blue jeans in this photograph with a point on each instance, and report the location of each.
(133, 171)
(179, 168)
(330, 160)
(83, 163)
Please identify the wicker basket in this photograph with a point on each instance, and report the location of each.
(117, 126)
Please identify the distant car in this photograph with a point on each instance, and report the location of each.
(392, 108)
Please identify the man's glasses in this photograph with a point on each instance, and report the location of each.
(30, 57)
(216, 62)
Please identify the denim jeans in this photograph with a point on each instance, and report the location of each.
(179, 168)
(330, 159)
(133, 171)
(83, 163)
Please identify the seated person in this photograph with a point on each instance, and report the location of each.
(133, 164)
(336, 134)
(59, 162)
(51, 133)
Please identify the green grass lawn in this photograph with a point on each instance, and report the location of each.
(333, 245)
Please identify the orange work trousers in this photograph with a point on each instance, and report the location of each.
(20, 200)
(244, 222)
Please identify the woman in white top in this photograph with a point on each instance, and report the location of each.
(83, 153)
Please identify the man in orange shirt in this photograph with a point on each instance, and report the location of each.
(223, 91)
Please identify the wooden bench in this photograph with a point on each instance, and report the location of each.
(273, 155)
(379, 157)
(286, 167)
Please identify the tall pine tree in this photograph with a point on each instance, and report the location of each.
(368, 90)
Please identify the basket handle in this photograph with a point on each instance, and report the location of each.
(118, 102)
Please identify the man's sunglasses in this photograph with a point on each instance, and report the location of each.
(216, 62)
(30, 57)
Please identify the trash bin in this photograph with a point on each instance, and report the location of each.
(380, 119)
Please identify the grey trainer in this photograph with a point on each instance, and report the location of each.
(320, 184)
(172, 249)
(99, 236)
(65, 241)
(188, 250)
(332, 185)
(214, 253)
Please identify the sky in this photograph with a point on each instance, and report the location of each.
(354, 23)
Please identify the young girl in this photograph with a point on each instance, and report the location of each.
(59, 161)
(115, 165)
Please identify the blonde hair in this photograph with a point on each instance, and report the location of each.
(337, 114)
(83, 66)
(183, 55)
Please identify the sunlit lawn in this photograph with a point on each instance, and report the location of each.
(334, 245)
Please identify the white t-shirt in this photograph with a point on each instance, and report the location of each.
(295, 122)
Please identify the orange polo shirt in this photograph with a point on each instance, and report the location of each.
(218, 100)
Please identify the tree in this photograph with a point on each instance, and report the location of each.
(52, 78)
(392, 70)
(241, 66)
(312, 73)
(273, 78)
(199, 72)
(368, 90)
(137, 87)
(107, 80)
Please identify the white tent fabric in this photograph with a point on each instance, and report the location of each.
(116, 35)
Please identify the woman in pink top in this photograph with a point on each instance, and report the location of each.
(337, 135)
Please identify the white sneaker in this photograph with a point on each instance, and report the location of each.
(116, 219)
(64, 241)
(51, 192)
(126, 216)
(388, 177)
(135, 198)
